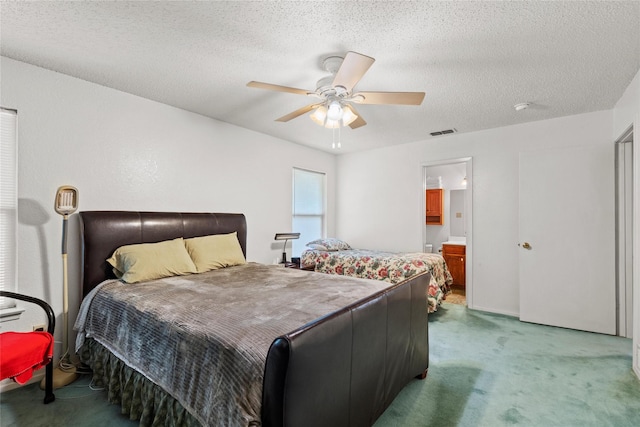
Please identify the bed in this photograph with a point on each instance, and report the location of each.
(333, 256)
(334, 359)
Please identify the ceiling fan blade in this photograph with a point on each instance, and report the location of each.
(357, 122)
(269, 86)
(353, 67)
(298, 112)
(397, 98)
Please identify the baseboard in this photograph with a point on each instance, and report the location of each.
(494, 311)
(8, 385)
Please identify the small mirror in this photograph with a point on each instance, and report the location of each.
(456, 213)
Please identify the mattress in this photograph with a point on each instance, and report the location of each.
(204, 337)
(393, 267)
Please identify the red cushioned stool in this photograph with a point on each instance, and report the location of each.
(21, 353)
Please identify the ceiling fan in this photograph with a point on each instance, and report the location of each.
(337, 95)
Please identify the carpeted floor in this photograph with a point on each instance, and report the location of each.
(485, 370)
(76, 405)
(492, 370)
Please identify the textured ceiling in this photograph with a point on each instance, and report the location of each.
(474, 60)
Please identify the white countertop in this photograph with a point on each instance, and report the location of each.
(456, 240)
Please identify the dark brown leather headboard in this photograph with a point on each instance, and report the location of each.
(102, 232)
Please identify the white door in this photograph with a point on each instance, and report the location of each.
(567, 220)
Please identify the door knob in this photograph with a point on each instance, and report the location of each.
(526, 245)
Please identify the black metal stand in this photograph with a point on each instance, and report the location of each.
(51, 319)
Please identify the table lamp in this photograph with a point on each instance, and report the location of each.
(286, 237)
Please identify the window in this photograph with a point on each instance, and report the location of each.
(8, 203)
(308, 217)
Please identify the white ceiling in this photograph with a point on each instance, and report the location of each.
(474, 60)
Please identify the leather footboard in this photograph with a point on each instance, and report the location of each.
(346, 368)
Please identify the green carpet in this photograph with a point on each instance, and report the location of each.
(75, 405)
(492, 370)
(485, 370)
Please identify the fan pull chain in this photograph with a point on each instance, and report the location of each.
(333, 138)
(333, 134)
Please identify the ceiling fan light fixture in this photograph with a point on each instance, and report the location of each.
(322, 115)
(332, 124)
(348, 116)
(319, 115)
(334, 111)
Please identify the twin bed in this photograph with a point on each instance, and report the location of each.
(332, 256)
(246, 344)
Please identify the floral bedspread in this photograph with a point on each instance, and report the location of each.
(392, 267)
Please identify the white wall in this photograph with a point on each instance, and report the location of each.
(384, 186)
(626, 113)
(124, 152)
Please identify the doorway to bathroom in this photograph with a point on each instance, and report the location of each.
(447, 220)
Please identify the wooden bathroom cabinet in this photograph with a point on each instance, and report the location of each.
(434, 207)
(455, 257)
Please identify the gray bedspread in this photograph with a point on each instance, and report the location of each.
(204, 338)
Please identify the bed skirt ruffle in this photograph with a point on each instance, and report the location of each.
(139, 398)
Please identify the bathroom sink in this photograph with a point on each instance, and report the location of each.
(456, 240)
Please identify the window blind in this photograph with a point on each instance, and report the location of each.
(308, 217)
(8, 203)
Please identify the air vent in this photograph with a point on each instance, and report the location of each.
(443, 132)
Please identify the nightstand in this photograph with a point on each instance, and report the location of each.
(308, 267)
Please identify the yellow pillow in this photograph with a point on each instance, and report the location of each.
(148, 261)
(215, 251)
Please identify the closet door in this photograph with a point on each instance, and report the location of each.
(567, 240)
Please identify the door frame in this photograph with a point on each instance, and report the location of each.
(624, 249)
(468, 220)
